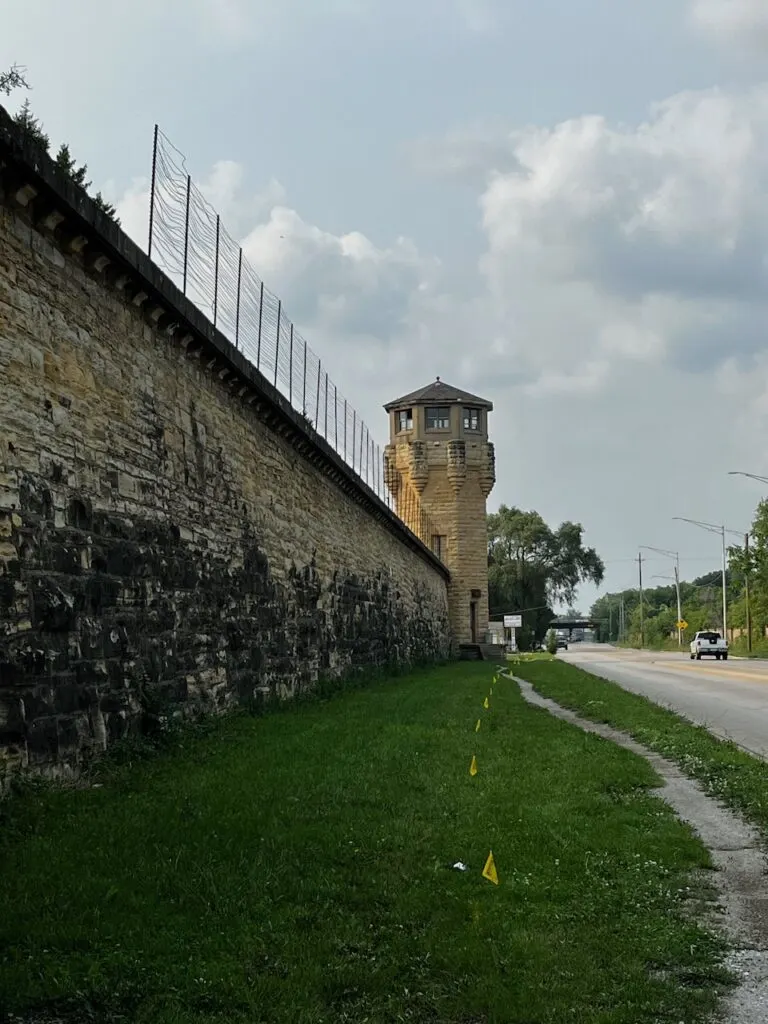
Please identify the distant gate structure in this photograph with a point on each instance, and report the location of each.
(563, 622)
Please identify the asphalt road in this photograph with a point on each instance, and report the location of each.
(729, 698)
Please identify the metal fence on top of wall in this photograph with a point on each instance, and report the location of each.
(189, 242)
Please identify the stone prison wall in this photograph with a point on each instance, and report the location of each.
(172, 533)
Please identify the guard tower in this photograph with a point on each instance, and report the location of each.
(439, 467)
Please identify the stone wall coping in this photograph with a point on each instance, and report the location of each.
(56, 204)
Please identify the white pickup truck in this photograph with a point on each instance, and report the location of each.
(707, 642)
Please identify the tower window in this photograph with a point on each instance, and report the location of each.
(471, 419)
(438, 545)
(404, 419)
(438, 418)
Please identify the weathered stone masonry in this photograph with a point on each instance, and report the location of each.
(171, 532)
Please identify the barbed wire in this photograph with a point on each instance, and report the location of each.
(189, 242)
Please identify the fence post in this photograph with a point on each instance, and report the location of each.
(335, 419)
(360, 461)
(216, 276)
(325, 435)
(258, 336)
(152, 193)
(354, 435)
(237, 308)
(186, 231)
(317, 402)
(290, 370)
(304, 377)
(277, 339)
(345, 430)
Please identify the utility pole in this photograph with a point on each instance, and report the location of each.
(640, 574)
(746, 593)
(725, 598)
(676, 556)
(722, 530)
(679, 605)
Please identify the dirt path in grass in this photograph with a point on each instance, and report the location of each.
(738, 855)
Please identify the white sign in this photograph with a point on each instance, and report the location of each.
(513, 621)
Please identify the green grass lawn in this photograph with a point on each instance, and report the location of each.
(736, 777)
(296, 868)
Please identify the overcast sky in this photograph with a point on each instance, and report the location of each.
(560, 205)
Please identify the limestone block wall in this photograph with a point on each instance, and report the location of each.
(170, 534)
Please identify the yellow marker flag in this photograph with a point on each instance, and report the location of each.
(485, 703)
(489, 871)
(473, 766)
(477, 727)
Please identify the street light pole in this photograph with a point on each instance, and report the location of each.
(679, 605)
(713, 528)
(676, 580)
(640, 573)
(676, 556)
(747, 609)
(725, 599)
(721, 530)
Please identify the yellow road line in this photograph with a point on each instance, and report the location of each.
(674, 666)
(728, 673)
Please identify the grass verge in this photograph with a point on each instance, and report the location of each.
(740, 648)
(726, 771)
(297, 869)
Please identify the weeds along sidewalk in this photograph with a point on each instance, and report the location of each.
(726, 771)
(299, 868)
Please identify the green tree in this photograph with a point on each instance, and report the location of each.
(12, 79)
(31, 126)
(66, 163)
(531, 567)
(108, 208)
(754, 565)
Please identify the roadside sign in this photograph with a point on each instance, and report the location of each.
(682, 624)
(513, 621)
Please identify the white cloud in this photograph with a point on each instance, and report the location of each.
(633, 242)
(341, 283)
(132, 208)
(352, 299)
(606, 245)
(744, 22)
(467, 154)
(224, 188)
